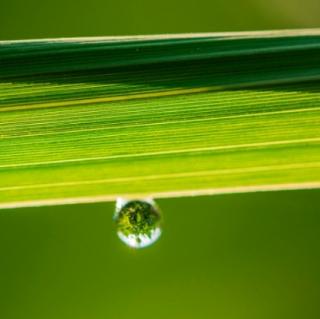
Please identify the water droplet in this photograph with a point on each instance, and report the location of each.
(138, 222)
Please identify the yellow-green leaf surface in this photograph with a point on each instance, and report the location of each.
(91, 119)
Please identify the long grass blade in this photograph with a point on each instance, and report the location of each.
(84, 120)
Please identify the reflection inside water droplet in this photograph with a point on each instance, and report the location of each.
(138, 222)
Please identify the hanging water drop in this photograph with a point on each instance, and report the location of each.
(138, 222)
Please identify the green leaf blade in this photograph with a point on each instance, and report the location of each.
(243, 115)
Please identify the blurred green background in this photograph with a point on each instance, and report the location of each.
(231, 256)
(20, 19)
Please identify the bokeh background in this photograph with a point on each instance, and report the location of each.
(242, 256)
(229, 256)
(20, 19)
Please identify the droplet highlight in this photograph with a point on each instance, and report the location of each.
(138, 222)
